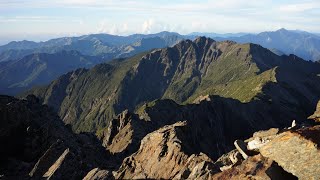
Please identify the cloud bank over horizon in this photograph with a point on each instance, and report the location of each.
(46, 19)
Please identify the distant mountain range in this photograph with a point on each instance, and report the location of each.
(300, 43)
(40, 68)
(107, 47)
(214, 35)
(25, 64)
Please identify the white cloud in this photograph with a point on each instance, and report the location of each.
(147, 25)
(149, 16)
(106, 26)
(151, 25)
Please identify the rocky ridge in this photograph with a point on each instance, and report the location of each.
(184, 72)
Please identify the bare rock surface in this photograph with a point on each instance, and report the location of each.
(57, 164)
(124, 133)
(266, 133)
(297, 152)
(257, 143)
(255, 167)
(201, 98)
(97, 173)
(166, 153)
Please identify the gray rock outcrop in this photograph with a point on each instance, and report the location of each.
(316, 114)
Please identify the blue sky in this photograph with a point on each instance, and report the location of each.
(43, 19)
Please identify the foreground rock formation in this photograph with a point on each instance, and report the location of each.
(286, 154)
(166, 153)
(169, 153)
(296, 151)
(35, 143)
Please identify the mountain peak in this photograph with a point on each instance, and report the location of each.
(203, 40)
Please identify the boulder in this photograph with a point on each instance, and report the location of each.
(257, 143)
(293, 124)
(261, 138)
(242, 148)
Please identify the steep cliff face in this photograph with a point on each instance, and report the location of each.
(86, 99)
(35, 143)
(190, 69)
(124, 133)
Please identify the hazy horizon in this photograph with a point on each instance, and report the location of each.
(38, 20)
(43, 37)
